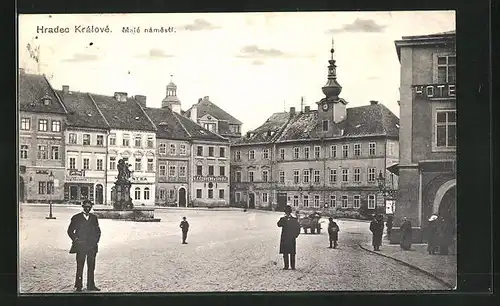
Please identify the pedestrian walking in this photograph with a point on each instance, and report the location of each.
(185, 227)
(388, 224)
(432, 235)
(290, 230)
(85, 234)
(406, 236)
(333, 232)
(377, 229)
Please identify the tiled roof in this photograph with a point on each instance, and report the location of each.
(362, 121)
(206, 107)
(32, 89)
(267, 132)
(82, 112)
(126, 115)
(197, 132)
(447, 33)
(167, 125)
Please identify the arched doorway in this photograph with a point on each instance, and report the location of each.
(181, 197)
(447, 210)
(21, 190)
(99, 196)
(251, 200)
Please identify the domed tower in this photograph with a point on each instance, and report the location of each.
(331, 108)
(171, 99)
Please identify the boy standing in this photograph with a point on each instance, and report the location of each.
(185, 227)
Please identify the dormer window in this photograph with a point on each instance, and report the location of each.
(46, 100)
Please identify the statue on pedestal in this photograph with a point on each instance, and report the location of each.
(122, 198)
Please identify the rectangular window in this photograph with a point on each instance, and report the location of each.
(344, 201)
(238, 155)
(86, 139)
(357, 149)
(316, 201)
(146, 193)
(150, 141)
(238, 176)
(56, 126)
(265, 197)
(345, 151)
(371, 175)
(86, 164)
(99, 164)
(446, 67)
(25, 124)
(137, 193)
(222, 152)
(211, 170)
(265, 175)
(199, 193)
(210, 193)
(72, 163)
(138, 141)
(371, 201)
(138, 162)
(251, 155)
(112, 163)
(171, 171)
(171, 193)
(265, 154)
(50, 187)
(282, 177)
(199, 151)
(126, 140)
(238, 197)
(173, 149)
(211, 151)
(282, 154)
(72, 138)
(250, 176)
(296, 153)
(183, 149)
(305, 201)
(112, 140)
(306, 152)
(357, 175)
(305, 176)
(221, 193)
(222, 171)
(100, 140)
(199, 170)
(24, 151)
(333, 151)
(295, 201)
(446, 128)
(182, 171)
(163, 170)
(325, 125)
(162, 194)
(317, 152)
(296, 176)
(163, 148)
(42, 152)
(357, 201)
(42, 187)
(345, 175)
(55, 152)
(372, 147)
(43, 125)
(150, 165)
(333, 201)
(316, 177)
(333, 175)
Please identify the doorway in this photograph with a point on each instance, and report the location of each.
(21, 190)
(84, 192)
(99, 194)
(73, 193)
(281, 201)
(182, 197)
(447, 210)
(251, 200)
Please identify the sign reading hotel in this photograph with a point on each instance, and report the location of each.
(200, 178)
(436, 91)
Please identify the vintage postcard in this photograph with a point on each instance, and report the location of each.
(225, 152)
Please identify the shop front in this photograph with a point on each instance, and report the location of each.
(78, 187)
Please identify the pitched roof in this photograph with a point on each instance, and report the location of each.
(267, 132)
(82, 112)
(205, 107)
(196, 131)
(167, 125)
(124, 115)
(33, 89)
(362, 121)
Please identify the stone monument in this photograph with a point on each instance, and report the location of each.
(122, 199)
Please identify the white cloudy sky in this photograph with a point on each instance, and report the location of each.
(250, 64)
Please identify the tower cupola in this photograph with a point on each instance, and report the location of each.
(332, 88)
(171, 100)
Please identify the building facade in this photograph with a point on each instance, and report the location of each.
(42, 120)
(427, 162)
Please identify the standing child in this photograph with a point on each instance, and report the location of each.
(185, 227)
(333, 232)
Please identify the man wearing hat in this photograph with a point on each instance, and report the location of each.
(85, 233)
(290, 230)
(333, 232)
(432, 235)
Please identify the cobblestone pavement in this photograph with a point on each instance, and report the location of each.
(227, 251)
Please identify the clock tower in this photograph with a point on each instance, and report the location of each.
(171, 99)
(331, 109)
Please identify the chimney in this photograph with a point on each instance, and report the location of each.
(307, 109)
(141, 100)
(65, 89)
(373, 102)
(292, 111)
(194, 113)
(121, 96)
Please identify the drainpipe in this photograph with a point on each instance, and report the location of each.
(105, 191)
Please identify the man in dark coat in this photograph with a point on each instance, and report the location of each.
(377, 229)
(444, 236)
(333, 232)
(388, 224)
(406, 236)
(85, 233)
(432, 235)
(185, 227)
(290, 230)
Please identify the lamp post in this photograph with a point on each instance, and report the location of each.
(51, 188)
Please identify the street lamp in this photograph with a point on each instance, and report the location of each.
(51, 188)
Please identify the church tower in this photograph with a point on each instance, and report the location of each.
(331, 109)
(171, 99)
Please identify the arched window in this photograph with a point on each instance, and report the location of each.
(146, 193)
(137, 193)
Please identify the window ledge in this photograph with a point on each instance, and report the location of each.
(443, 149)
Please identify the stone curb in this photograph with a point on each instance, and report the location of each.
(443, 282)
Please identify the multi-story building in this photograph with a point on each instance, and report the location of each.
(325, 159)
(86, 137)
(42, 119)
(214, 119)
(132, 136)
(427, 158)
